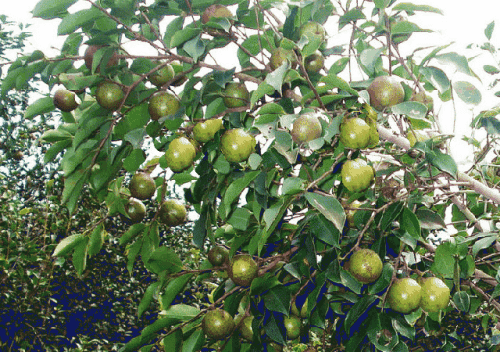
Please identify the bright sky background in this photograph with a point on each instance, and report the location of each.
(462, 25)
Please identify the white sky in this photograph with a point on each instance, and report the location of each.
(460, 24)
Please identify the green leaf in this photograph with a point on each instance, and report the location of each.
(333, 81)
(182, 36)
(360, 308)
(371, 59)
(390, 215)
(234, 190)
(322, 229)
(352, 16)
(488, 31)
(443, 162)
(292, 185)
(182, 312)
(492, 70)
(173, 341)
(51, 136)
(329, 206)
(462, 301)
(73, 185)
(134, 160)
(444, 261)
(195, 48)
(271, 108)
(405, 27)
(409, 223)
(412, 109)
(147, 298)
(240, 219)
(68, 244)
(275, 330)
(194, 342)
(483, 243)
(48, 9)
(74, 21)
(467, 92)
(131, 233)
(174, 287)
(80, 257)
(430, 220)
(383, 281)
(278, 300)
(460, 62)
(411, 8)
(96, 240)
(39, 107)
(164, 259)
(436, 77)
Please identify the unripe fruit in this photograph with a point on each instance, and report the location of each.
(435, 294)
(162, 75)
(135, 210)
(65, 100)
(404, 295)
(292, 327)
(217, 324)
(279, 56)
(162, 104)
(236, 95)
(243, 270)
(357, 175)
(385, 91)
(365, 265)
(237, 145)
(142, 186)
(109, 95)
(312, 30)
(215, 11)
(303, 310)
(306, 128)
(314, 62)
(180, 154)
(246, 329)
(88, 57)
(172, 213)
(218, 255)
(205, 131)
(355, 133)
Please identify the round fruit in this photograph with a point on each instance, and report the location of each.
(306, 128)
(215, 11)
(180, 154)
(218, 255)
(415, 136)
(88, 56)
(162, 75)
(374, 136)
(178, 69)
(142, 186)
(303, 311)
(435, 294)
(237, 145)
(404, 295)
(349, 213)
(162, 104)
(365, 265)
(385, 91)
(292, 327)
(279, 56)
(65, 100)
(243, 270)
(246, 329)
(135, 210)
(314, 62)
(172, 213)
(357, 175)
(423, 98)
(313, 30)
(109, 95)
(217, 324)
(235, 95)
(205, 131)
(355, 133)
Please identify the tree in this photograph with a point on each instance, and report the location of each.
(267, 186)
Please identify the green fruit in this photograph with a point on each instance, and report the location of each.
(236, 95)
(109, 95)
(415, 136)
(88, 57)
(178, 69)
(423, 98)
(215, 11)
(205, 131)
(314, 62)
(180, 154)
(349, 213)
(303, 313)
(279, 56)
(65, 100)
(172, 213)
(385, 91)
(313, 30)
(292, 327)
(142, 186)
(218, 255)
(306, 128)
(355, 133)
(237, 145)
(162, 104)
(357, 175)
(435, 294)
(404, 295)
(217, 324)
(246, 329)
(374, 136)
(243, 269)
(162, 75)
(135, 210)
(365, 265)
